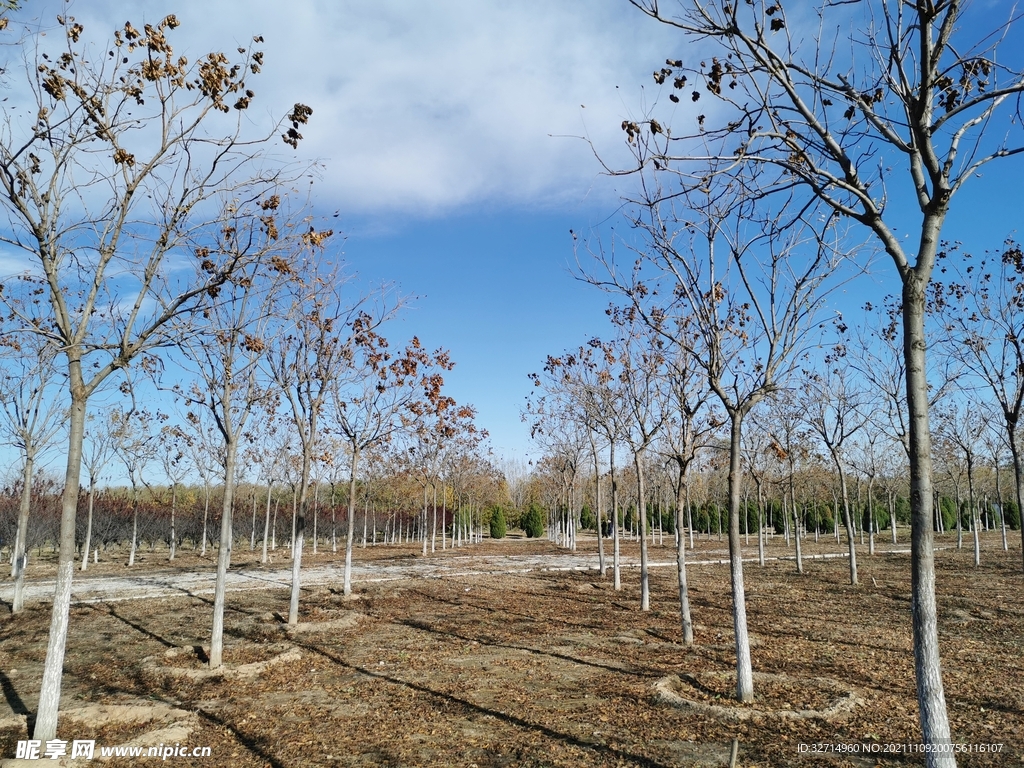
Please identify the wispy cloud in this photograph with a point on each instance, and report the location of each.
(16, 263)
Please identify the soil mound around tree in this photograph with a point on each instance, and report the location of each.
(248, 660)
(784, 696)
(347, 620)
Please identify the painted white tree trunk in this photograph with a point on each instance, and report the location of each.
(19, 561)
(347, 583)
(616, 569)
(266, 522)
(206, 517)
(931, 698)
(53, 666)
(223, 558)
(645, 580)
(600, 533)
(744, 671)
(88, 527)
(174, 509)
(684, 595)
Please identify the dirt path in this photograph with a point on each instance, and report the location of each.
(167, 582)
(253, 576)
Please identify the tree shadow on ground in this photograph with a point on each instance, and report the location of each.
(425, 627)
(470, 707)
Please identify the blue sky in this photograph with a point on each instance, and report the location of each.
(496, 289)
(454, 137)
(451, 134)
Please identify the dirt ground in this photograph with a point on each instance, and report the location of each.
(536, 667)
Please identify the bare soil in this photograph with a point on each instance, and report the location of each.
(467, 665)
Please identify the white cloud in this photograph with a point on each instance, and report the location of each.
(426, 107)
(15, 264)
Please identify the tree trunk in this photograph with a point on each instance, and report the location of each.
(223, 557)
(892, 514)
(88, 525)
(423, 520)
(744, 672)
(847, 521)
(927, 666)
(135, 526)
(645, 580)
(316, 515)
(689, 521)
(1002, 511)
(252, 532)
(1018, 480)
(349, 533)
(959, 521)
(760, 526)
(302, 510)
(174, 508)
(266, 522)
(799, 546)
(295, 514)
(597, 494)
(433, 530)
(616, 569)
(53, 666)
(858, 520)
(746, 517)
(206, 516)
(973, 509)
(871, 517)
(273, 525)
(20, 559)
(684, 596)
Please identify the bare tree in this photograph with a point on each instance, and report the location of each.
(878, 89)
(135, 443)
(120, 165)
(866, 459)
(375, 399)
(96, 452)
(173, 457)
(271, 454)
(224, 354)
(305, 362)
(834, 409)
(565, 452)
(789, 444)
(205, 447)
(750, 281)
(641, 355)
(30, 421)
(876, 353)
(688, 425)
(760, 454)
(585, 384)
(995, 447)
(963, 428)
(517, 479)
(981, 305)
(435, 425)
